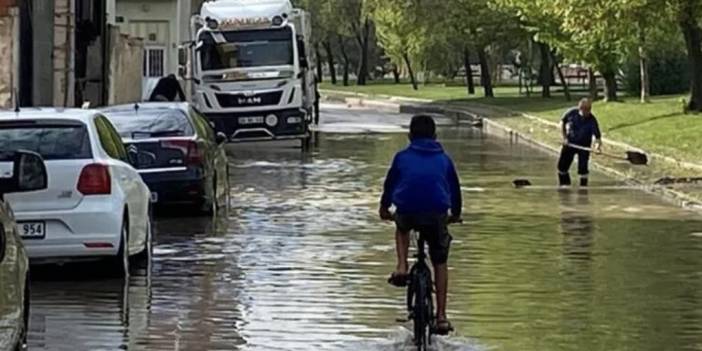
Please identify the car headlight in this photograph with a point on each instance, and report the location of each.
(271, 120)
(294, 120)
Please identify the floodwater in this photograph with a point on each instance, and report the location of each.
(300, 263)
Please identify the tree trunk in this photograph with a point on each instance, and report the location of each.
(561, 76)
(485, 80)
(396, 74)
(546, 70)
(645, 81)
(693, 41)
(592, 83)
(320, 70)
(363, 65)
(469, 71)
(610, 78)
(411, 72)
(643, 63)
(347, 63)
(330, 61)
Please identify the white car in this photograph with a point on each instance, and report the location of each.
(96, 204)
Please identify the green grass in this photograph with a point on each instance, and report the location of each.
(658, 126)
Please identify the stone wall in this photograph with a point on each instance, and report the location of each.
(126, 57)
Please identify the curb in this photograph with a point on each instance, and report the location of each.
(492, 127)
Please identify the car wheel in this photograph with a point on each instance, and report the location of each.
(209, 206)
(119, 264)
(143, 259)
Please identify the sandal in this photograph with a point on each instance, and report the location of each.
(398, 279)
(443, 327)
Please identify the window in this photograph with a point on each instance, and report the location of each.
(154, 62)
(52, 140)
(110, 140)
(151, 123)
(256, 48)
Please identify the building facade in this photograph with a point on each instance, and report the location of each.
(163, 25)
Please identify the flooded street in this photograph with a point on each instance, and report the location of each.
(300, 260)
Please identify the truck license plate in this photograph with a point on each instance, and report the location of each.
(251, 120)
(32, 230)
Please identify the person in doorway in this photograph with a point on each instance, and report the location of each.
(167, 89)
(423, 185)
(578, 127)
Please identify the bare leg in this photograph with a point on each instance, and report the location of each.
(441, 277)
(402, 248)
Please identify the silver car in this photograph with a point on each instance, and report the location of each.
(28, 174)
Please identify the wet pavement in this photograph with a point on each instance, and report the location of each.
(299, 262)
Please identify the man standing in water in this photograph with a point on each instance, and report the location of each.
(578, 127)
(423, 185)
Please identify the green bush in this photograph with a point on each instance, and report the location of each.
(668, 72)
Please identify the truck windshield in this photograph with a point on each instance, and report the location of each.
(250, 48)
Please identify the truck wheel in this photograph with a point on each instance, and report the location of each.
(306, 144)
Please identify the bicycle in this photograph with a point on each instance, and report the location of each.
(420, 299)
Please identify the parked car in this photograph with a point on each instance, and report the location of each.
(19, 172)
(177, 153)
(96, 204)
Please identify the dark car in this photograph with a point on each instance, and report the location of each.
(176, 151)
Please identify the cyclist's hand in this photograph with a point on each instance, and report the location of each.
(385, 214)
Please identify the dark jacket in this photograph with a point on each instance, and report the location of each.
(169, 88)
(581, 129)
(423, 180)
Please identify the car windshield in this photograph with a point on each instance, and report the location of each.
(252, 48)
(151, 123)
(52, 142)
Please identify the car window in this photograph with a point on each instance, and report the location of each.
(52, 140)
(203, 124)
(151, 123)
(109, 139)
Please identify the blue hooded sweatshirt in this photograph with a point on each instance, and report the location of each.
(423, 180)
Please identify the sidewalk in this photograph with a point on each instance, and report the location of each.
(519, 127)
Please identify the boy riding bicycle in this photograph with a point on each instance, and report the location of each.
(423, 185)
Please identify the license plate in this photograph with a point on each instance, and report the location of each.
(154, 197)
(251, 120)
(32, 230)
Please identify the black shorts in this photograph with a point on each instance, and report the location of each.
(433, 228)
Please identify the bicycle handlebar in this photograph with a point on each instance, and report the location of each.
(449, 221)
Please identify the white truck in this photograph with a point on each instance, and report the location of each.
(251, 74)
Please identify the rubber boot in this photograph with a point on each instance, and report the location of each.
(564, 179)
(583, 182)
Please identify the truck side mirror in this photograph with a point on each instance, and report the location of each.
(28, 174)
(183, 55)
(302, 52)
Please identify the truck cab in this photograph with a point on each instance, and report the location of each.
(250, 70)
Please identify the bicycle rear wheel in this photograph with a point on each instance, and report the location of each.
(422, 308)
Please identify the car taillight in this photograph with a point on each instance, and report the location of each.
(192, 154)
(95, 180)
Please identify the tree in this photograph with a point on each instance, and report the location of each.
(687, 14)
(399, 31)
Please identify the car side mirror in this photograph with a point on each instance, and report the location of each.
(183, 57)
(221, 138)
(28, 174)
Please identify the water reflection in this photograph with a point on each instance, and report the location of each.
(300, 261)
